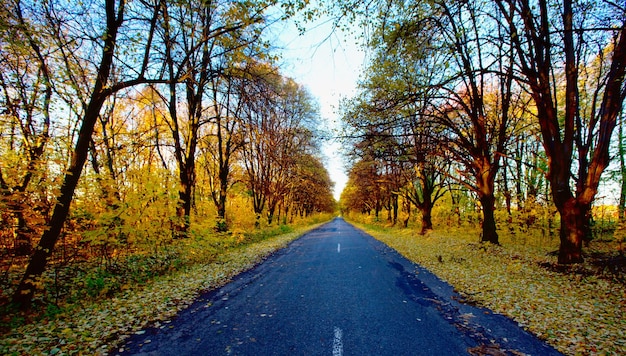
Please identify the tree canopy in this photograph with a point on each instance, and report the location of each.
(124, 123)
(496, 85)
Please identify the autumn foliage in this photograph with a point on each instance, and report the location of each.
(126, 133)
(507, 103)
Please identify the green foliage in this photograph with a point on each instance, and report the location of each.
(95, 284)
(52, 311)
(10, 318)
(221, 225)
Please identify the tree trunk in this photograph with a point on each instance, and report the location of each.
(622, 165)
(426, 209)
(427, 222)
(572, 232)
(185, 196)
(407, 207)
(222, 225)
(21, 233)
(271, 209)
(394, 203)
(223, 191)
(489, 222)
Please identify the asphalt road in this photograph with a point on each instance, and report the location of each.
(336, 291)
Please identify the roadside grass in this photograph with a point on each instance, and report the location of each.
(580, 310)
(102, 320)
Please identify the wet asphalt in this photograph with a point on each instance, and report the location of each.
(336, 291)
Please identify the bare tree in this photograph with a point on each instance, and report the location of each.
(277, 113)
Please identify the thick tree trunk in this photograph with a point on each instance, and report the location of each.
(220, 202)
(426, 209)
(271, 209)
(485, 180)
(489, 221)
(185, 196)
(427, 222)
(573, 228)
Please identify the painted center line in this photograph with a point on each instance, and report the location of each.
(337, 343)
(338, 248)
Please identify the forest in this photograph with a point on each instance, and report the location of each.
(132, 129)
(508, 106)
(146, 138)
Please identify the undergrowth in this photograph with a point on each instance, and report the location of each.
(88, 308)
(577, 309)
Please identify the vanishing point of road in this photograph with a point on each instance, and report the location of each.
(336, 291)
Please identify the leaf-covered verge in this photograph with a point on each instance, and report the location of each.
(99, 325)
(580, 310)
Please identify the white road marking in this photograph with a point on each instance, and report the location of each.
(337, 343)
(338, 248)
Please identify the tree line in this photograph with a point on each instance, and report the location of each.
(497, 100)
(125, 121)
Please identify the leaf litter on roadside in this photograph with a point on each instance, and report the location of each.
(579, 314)
(100, 327)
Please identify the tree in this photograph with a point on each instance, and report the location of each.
(362, 193)
(553, 42)
(26, 95)
(278, 114)
(478, 119)
(434, 66)
(102, 86)
(201, 41)
(426, 181)
(225, 138)
(311, 187)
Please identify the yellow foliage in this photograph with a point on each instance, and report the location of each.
(239, 235)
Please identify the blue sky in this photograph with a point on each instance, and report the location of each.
(328, 64)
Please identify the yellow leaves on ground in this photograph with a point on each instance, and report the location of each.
(100, 327)
(579, 315)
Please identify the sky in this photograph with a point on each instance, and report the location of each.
(328, 63)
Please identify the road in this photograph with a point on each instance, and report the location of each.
(335, 291)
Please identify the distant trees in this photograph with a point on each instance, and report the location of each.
(277, 116)
(490, 81)
(310, 187)
(145, 93)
